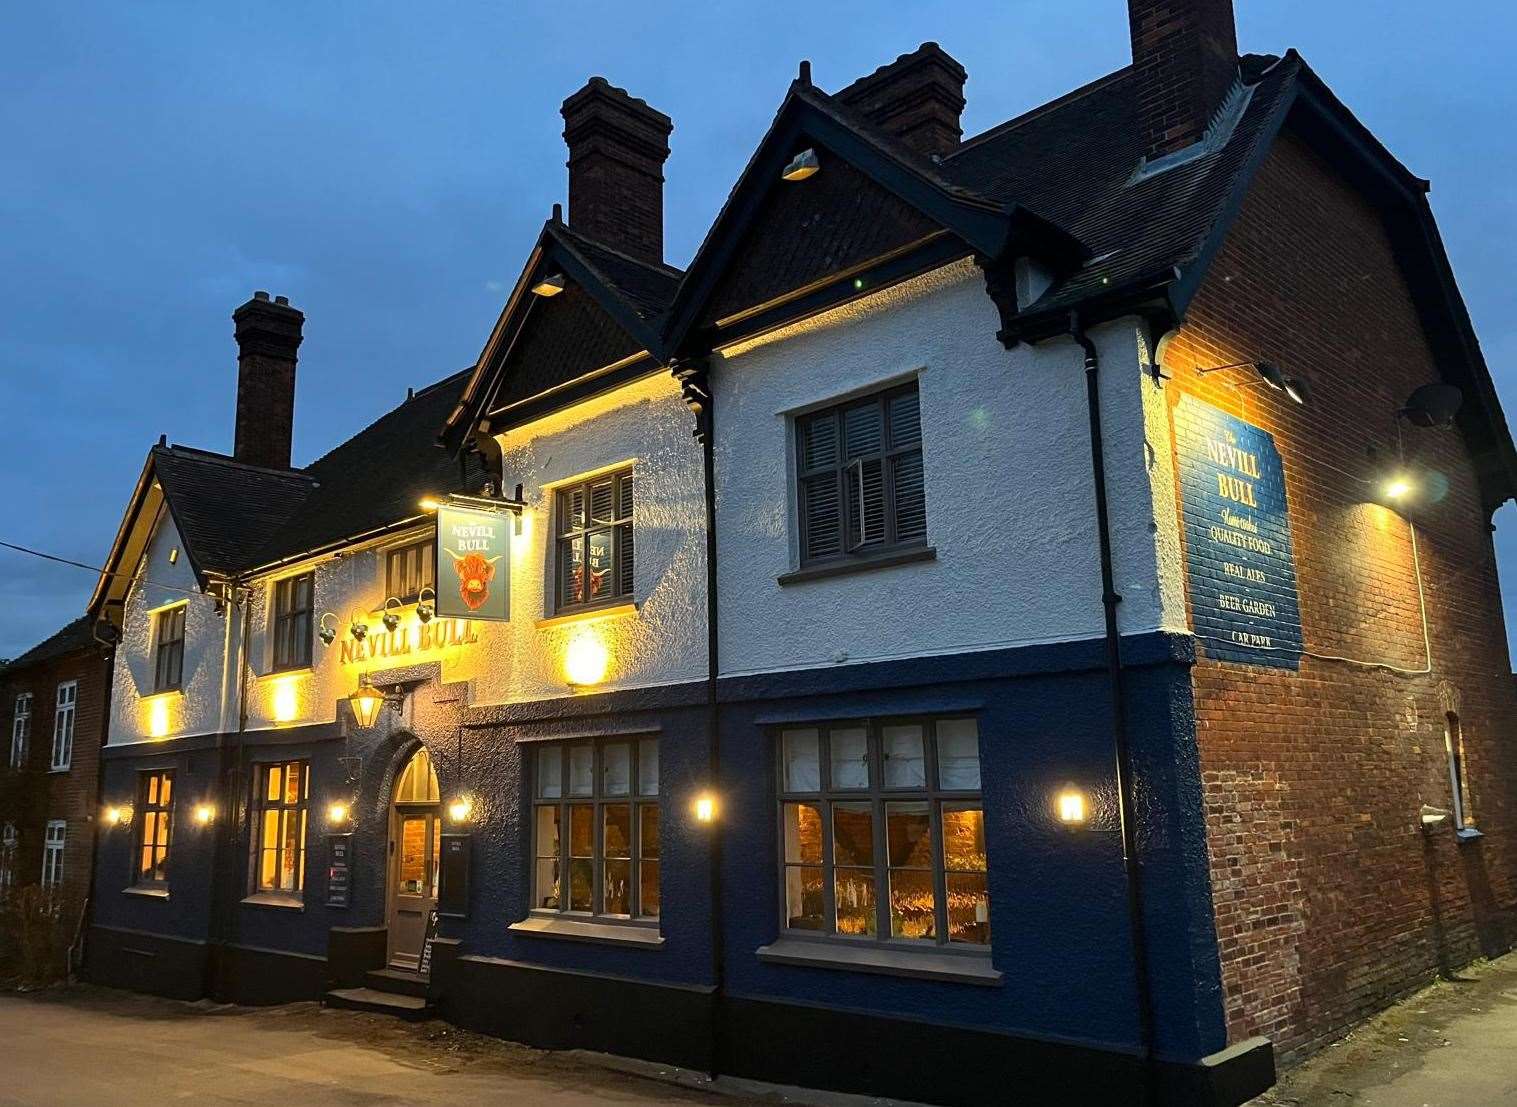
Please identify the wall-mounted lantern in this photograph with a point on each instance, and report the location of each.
(338, 813)
(704, 808)
(460, 809)
(1072, 807)
(586, 660)
(366, 701)
(205, 814)
(117, 815)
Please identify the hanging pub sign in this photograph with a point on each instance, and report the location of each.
(473, 564)
(1240, 572)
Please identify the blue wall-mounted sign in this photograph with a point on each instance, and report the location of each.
(1240, 572)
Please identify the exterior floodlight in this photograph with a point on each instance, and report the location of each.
(337, 813)
(204, 814)
(1272, 375)
(803, 165)
(426, 608)
(1398, 487)
(327, 634)
(549, 286)
(460, 809)
(705, 808)
(429, 503)
(1432, 405)
(391, 619)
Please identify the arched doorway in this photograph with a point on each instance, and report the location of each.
(415, 826)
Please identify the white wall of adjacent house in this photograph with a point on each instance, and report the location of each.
(1007, 475)
(140, 711)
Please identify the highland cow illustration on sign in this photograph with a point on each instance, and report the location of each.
(473, 564)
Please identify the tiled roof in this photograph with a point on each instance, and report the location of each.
(225, 510)
(647, 287)
(375, 478)
(1073, 161)
(77, 635)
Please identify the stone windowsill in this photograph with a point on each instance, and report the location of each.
(587, 930)
(147, 891)
(589, 615)
(281, 900)
(860, 564)
(957, 968)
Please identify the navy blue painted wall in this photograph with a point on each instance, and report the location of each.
(1058, 910)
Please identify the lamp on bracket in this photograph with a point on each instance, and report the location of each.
(366, 700)
(1270, 374)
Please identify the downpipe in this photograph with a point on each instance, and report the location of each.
(1126, 807)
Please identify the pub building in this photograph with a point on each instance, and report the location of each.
(1019, 612)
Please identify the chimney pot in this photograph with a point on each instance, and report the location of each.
(1185, 53)
(617, 149)
(268, 336)
(918, 98)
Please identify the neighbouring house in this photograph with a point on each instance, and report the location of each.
(1017, 614)
(54, 700)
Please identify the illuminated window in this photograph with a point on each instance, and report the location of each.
(155, 817)
(594, 558)
(63, 725)
(859, 487)
(21, 729)
(280, 816)
(882, 831)
(409, 569)
(8, 843)
(53, 843)
(168, 632)
(1459, 780)
(294, 600)
(596, 836)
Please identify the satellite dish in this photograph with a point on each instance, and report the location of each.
(1433, 405)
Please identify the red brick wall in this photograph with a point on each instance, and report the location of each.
(32, 797)
(1329, 899)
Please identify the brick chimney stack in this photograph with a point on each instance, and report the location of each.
(617, 149)
(1186, 55)
(268, 334)
(918, 98)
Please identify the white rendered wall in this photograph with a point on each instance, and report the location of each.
(136, 712)
(1010, 508)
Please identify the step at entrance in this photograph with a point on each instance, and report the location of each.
(397, 981)
(410, 1008)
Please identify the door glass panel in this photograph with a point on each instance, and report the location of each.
(413, 846)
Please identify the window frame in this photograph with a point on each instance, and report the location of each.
(260, 807)
(21, 729)
(597, 800)
(878, 796)
(53, 849)
(10, 843)
(164, 824)
(289, 649)
(1459, 774)
(426, 548)
(619, 527)
(888, 454)
(172, 648)
(63, 725)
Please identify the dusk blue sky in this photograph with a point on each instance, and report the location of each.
(387, 167)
